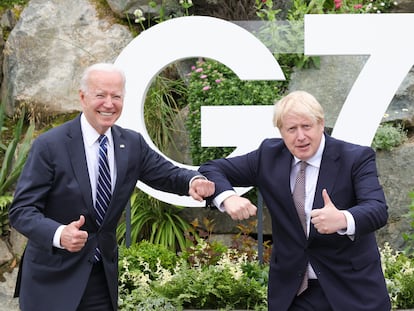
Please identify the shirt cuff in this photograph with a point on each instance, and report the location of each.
(56, 237)
(350, 222)
(218, 200)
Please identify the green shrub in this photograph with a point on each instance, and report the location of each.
(154, 278)
(224, 285)
(139, 265)
(204, 253)
(156, 304)
(388, 137)
(152, 254)
(399, 275)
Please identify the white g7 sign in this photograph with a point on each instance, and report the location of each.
(385, 41)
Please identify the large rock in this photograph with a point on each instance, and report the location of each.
(396, 171)
(8, 274)
(7, 302)
(125, 8)
(48, 49)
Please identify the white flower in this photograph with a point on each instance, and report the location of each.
(138, 13)
(164, 275)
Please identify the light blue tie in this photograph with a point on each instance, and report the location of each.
(103, 189)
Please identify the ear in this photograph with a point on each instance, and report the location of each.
(82, 97)
(81, 94)
(322, 123)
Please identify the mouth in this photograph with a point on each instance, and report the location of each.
(106, 114)
(301, 147)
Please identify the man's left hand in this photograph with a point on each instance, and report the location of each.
(328, 219)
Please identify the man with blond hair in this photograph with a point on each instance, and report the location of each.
(325, 202)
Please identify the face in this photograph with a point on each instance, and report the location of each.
(102, 103)
(302, 135)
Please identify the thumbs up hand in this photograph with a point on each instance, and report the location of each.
(72, 238)
(328, 219)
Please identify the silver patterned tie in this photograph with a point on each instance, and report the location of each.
(299, 195)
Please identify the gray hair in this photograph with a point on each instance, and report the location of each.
(106, 67)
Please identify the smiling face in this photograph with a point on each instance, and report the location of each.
(102, 99)
(302, 135)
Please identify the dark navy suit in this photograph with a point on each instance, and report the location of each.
(54, 189)
(349, 270)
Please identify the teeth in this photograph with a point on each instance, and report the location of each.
(106, 114)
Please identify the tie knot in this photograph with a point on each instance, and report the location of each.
(303, 165)
(102, 140)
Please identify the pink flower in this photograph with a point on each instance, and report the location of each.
(357, 6)
(338, 4)
(193, 67)
(203, 76)
(206, 88)
(199, 69)
(218, 80)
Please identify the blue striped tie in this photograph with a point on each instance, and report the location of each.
(103, 189)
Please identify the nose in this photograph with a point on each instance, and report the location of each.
(300, 134)
(108, 101)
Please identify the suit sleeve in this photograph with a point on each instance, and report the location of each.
(161, 174)
(240, 171)
(26, 212)
(371, 211)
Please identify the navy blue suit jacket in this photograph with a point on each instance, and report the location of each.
(349, 270)
(54, 189)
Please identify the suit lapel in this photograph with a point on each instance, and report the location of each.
(121, 163)
(328, 174)
(77, 157)
(285, 192)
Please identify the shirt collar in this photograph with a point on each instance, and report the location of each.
(90, 135)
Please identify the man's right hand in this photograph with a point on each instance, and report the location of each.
(72, 238)
(239, 208)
